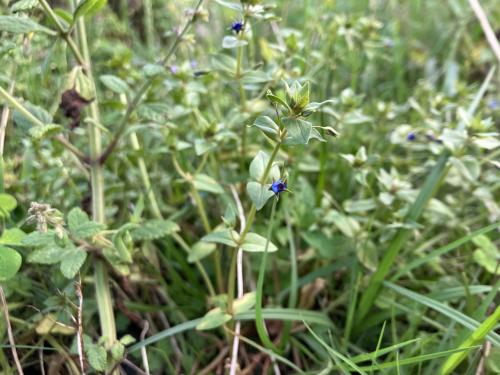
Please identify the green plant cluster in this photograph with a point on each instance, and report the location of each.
(248, 187)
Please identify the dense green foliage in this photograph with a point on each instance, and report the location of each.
(320, 176)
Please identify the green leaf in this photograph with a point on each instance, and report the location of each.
(259, 194)
(256, 244)
(21, 25)
(24, 123)
(72, 261)
(23, 5)
(122, 251)
(77, 217)
(200, 250)
(230, 41)
(347, 225)
(39, 239)
(207, 183)
(127, 340)
(267, 125)
(44, 131)
(487, 255)
(117, 351)
(97, 357)
(64, 15)
(87, 230)
(154, 229)
(329, 247)
(10, 262)
(298, 131)
(213, 319)
(114, 83)
(227, 237)
(13, 237)
(88, 7)
(258, 167)
(46, 255)
(255, 76)
(244, 303)
(276, 99)
(7, 204)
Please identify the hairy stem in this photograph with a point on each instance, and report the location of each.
(102, 286)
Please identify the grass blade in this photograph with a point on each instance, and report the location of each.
(443, 250)
(333, 352)
(427, 191)
(476, 337)
(420, 358)
(450, 312)
(296, 315)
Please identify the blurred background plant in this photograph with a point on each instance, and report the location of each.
(145, 131)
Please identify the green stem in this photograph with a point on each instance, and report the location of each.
(292, 301)
(149, 25)
(253, 209)
(64, 34)
(239, 58)
(232, 281)
(259, 320)
(144, 87)
(14, 103)
(201, 209)
(200, 267)
(102, 286)
(206, 225)
(155, 208)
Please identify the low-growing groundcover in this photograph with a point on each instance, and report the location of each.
(254, 187)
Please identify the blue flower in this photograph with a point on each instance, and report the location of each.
(278, 187)
(411, 136)
(493, 104)
(237, 26)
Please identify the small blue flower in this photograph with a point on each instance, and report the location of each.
(278, 187)
(411, 136)
(237, 26)
(493, 104)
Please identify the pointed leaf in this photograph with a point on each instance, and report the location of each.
(255, 243)
(259, 194)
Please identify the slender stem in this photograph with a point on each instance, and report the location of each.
(204, 218)
(155, 208)
(149, 25)
(9, 331)
(239, 61)
(200, 267)
(14, 103)
(201, 209)
(239, 272)
(64, 34)
(102, 286)
(292, 301)
(259, 320)
(157, 212)
(231, 281)
(253, 209)
(143, 88)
